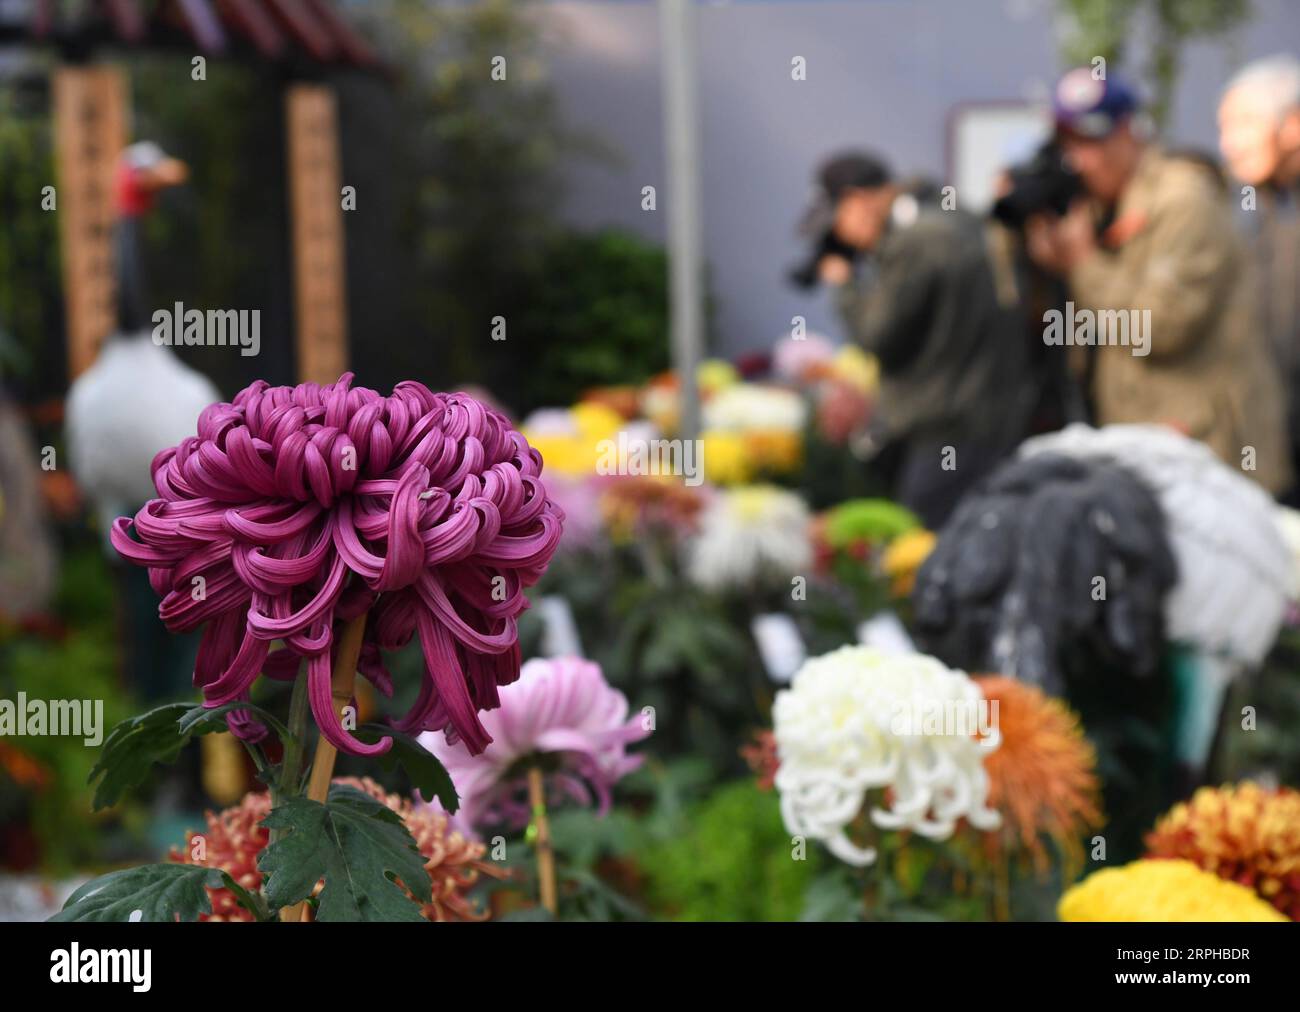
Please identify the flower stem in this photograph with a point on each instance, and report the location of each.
(540, 831)
(342, 679)
(291, 771)
(290, 783)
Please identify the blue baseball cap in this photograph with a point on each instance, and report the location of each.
(1087, 106)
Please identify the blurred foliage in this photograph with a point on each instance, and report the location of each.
(595, 314)
(457, 217)
(81, 662)
(476, 160)
(1107, 27)
(1270, 750)
(222, 239)
(728, 859)
(30, 306)
(669, 646)
(1133, 740)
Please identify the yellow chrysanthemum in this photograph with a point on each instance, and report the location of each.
(855, 367)
(715, 374)
(903, 558)
(595, 421)
(1244, 833)
(572, 456)
(726, 458)
(1160, 890)
(774, 452)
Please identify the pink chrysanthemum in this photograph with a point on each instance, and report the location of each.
(579, 499)
(295, 509)
(562, 716)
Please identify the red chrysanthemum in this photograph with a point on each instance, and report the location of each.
(1245, 833)
(234, 839)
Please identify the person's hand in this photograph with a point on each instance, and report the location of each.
(1060, 244)
(1076, 234)
(834, 270)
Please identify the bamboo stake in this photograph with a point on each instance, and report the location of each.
(342, 682)
(542, 840)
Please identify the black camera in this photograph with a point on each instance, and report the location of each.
(805, 275)
(1044, 184)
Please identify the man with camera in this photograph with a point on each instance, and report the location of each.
(916, 290)
(1154, 238)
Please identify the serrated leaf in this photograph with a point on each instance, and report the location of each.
(133, 747)
(160, 892)
(426, 771)
(202, 720)
(357, 845)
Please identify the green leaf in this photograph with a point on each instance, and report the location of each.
(160, 892)
(202, 720)
(596, 900)
(357, 845)
(133, 747)
(426, 771)
(137, 743)
(831, 897)
(252, 902)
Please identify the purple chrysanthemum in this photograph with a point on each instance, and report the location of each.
(296, 509)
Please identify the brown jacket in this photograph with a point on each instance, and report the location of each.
(1173, 250)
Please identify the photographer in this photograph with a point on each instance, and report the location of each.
(1040, 184)
(1153, 240)
(917, 291)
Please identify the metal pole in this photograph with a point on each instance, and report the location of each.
(685, 262)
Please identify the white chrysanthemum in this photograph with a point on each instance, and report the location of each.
(751, 535)
(752, 407)
(857, 720)
(1288, 525)
(550, 422)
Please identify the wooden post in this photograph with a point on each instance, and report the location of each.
(315, 203)
(541, 837)
(90, 131)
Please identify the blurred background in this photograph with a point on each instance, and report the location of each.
(520, 196)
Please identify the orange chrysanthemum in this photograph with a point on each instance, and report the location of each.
(234, 838)
(1245, 833)
(1042, 777)
(638, 504)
